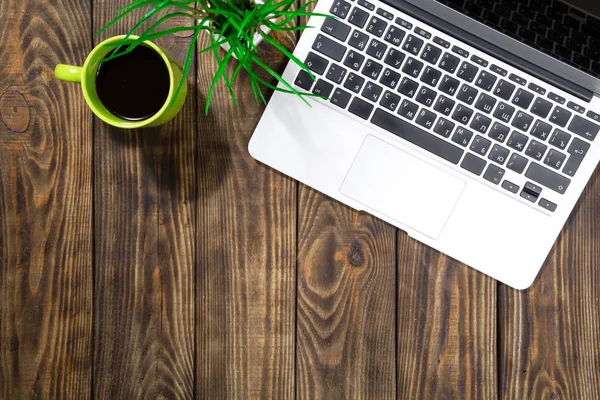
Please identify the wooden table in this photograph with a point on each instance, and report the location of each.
(168, 263)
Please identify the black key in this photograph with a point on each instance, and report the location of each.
(390, 78)
(522, 121)
(479, 60)
(431, 54)
(426, 118)
(460, 52)
(413, 44)
(403, 23)
(417, 136)
(538, 89)
(408, 87)
(360, 108)
(555, 159)
(376, 49)
(467, 71)
(444, 127)
(536, 150)
(480, 145)
(493, 174)
(517, 163)
(560, 139)
(504, 112)
(390, 100)
(504, 90)
(444, 105)
(394, 58)
(408, 109)
(354, 60)
(366, 4)
(323, 88)
(481, 123)
(449, 63)
(485, 103)
(372, 69)
(560, 116)
(528, 196)
(340, 8)
(576, 107)
(335, 28)
(511, 187)
(547, 178)
(372, 92)
(498, 70)
(517, 79)
(462, 114)
(422, 32)
(340, 98)
(486, 81)
(304, 80)
(541, 130)
(394, 35)
(548, 205)
(499, 132)
(577, 151)
(358, 17)
(316, 63)
(426, 96)
(329, 47)
(533, 189)
(584, 128)
(358, 39)
(354, 82)
(593, 116)
(449, 85)
(523, 98)
(556, 98)
(377, 26)
(413, 67)
(385, 14)
(431, 76)
(336, 73)
(473, 164)
(439, 41)
(499, 154)
(462, 136)
(541, 107)
(517, 141)
(467, 94)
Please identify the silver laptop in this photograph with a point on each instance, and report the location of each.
(471, 125)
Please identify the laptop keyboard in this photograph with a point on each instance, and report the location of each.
(459, 107)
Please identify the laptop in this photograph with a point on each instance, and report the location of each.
(470, 125)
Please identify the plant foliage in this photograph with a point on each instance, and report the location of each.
(234, 22)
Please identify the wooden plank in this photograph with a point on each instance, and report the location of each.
(246, 250)
(45, 203)
(446, 327)
(145, 196)
(550, 334)
(346, 302)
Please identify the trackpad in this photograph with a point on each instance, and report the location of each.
(402, 187)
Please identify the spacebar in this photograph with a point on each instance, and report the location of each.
(417, 136)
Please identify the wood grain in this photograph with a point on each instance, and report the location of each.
(45, 203)
(550, 334)
(446, 327)
(145, 195)
(246, 250)
(346, 302)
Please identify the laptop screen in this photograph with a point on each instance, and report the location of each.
(566, 30)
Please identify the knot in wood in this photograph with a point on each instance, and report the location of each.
(14, 111)
(356, 255)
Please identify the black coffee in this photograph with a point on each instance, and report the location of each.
(133, 86)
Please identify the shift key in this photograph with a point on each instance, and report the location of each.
(547, 178)
(329, 47)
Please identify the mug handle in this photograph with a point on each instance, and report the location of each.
(69, 73)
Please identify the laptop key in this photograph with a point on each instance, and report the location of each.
(467, 71)
(372, 69)
(538, 89)
(417, 136)
(584, 128)
(479, 60)
(426, 118)
(556, 98)
(536, 150)
(485, 103)
(439, 41)
(394, 58)
(560, 139)
(480, 145)
(385, 14)
(504, 112)
(444, 127)
(547, 178)
(368, 5)
(336, 28)
(390, 78)
(499, 132)
(467, 94)
(413, 45)
(303, 80)
(372, 92)
(329, 47)
(431, 54)
(340, 8)
(577, 151)
(541, 107)
(413, 67)
(449, 85)
(594, 116)
(494, 174)
(473, 164)
(394, 35)
(486, 81)
(522, 121)
(376, 49)
(340, 98)
(576, 107)
(408, 109)
(323, 88)
(523, 98)
(316, 63)
(462, 114)
(444, 105)
(358, 17)
(511, 187)
(431, 76)
(336, 73)
(358, 40)
(504, 89)
(541, 130)
(354, 60)
(422, 32)
(517, 79)
(498, 70)
(499, 154)
(426, 96)
(555, 159)
(517, 141)
(548, 205)
(560, 116)
(460, 52)
(377, 26)
(390, 100)
(408, 87)
(354, 82)
(449, 63)
(360, 108)
(517, 163)
(481, 123)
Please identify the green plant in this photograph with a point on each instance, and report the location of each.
(234, 22)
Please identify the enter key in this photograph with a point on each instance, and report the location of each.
(577, 152)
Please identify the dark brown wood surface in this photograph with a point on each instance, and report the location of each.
(168, 263)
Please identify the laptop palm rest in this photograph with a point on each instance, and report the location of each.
(402, 187)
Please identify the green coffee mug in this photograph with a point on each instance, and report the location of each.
(86, 75)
